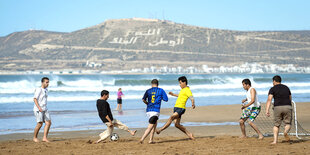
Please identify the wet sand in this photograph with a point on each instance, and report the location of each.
(209, 139)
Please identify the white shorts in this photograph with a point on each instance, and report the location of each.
(42, 116)
(152, 113)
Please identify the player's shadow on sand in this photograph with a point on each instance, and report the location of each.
(295, 141)
(184, 139)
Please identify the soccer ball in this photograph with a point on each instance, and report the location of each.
(114, 137)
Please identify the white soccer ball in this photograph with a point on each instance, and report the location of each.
(114, 137)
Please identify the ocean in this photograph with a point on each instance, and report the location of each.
(72, 98)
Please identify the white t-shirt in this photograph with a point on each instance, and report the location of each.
(248, 96)
(41, 95)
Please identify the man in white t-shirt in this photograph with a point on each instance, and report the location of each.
(40, 110)
(250, 110)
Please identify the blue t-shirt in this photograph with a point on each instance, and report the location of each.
(154, 96)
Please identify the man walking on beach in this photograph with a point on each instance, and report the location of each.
(282, 107)
(106, 116)
(179, 108)
(249, 110)
(152, 98)
(40, 110)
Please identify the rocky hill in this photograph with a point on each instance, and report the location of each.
(137, 43)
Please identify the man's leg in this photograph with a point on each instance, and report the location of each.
(147, 132)
(46, 130)
(152, 134)
(171, 118)
(117, 107)
(183, 129)
(122, 126)
(120, 107)
(286, 130)
(242, 127)
(260, 135)
(105, 134)
(36, 131)
(275, 134)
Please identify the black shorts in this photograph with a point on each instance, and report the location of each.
(119, 101)
(180, 111)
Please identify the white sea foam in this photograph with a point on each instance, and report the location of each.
(81, 98)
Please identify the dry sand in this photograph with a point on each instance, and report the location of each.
(209, 139)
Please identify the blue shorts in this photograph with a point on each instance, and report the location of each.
(180, 111)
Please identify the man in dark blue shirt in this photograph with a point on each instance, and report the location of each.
(152, 98)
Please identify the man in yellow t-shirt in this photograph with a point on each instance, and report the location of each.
(179, 107)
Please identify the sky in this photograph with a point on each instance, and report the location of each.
(72, 15)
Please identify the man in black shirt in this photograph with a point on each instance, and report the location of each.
(106, 116)
(282, 107)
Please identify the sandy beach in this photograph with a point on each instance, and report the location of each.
(221, 139)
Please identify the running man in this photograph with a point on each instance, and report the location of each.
(119, 99)
(249, 110)
(40, 110)
(152, 98)
(106, 116)
(179, 107)
(282, 107)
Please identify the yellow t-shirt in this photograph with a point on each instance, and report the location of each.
(184, 94)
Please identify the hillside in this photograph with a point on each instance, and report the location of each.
(137, 43)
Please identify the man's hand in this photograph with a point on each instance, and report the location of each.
(242, 107)
(243, 100)
(267, 113)
(193, 106)
(171, 93)
(40, 109)
(111, 124)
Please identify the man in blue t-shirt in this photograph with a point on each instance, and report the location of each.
(152, 98)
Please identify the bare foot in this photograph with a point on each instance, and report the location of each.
(260, 137)
(45, 140)
(158, 131)
(98, 141)
(287, 138)
(273, 143)
(36, 140)
(242, 137)
(133, 132)
(192, 136)
(140, 142)
(151, 142)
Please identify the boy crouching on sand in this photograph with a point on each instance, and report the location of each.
(105, 115)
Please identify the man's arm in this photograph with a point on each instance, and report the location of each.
(145, 101)
(110, 121)
(268, 104)
(172, 94)
(165, 97)
(193, 101)
(253, 93)
(37, 104)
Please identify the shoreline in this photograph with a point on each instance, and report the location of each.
(201, 114)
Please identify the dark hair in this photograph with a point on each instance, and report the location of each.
(246, 81)
(154, 81)
(44, 78)
(277, 78)
(183, 79)
(104, 92)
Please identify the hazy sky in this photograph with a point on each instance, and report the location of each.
(71, 15)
